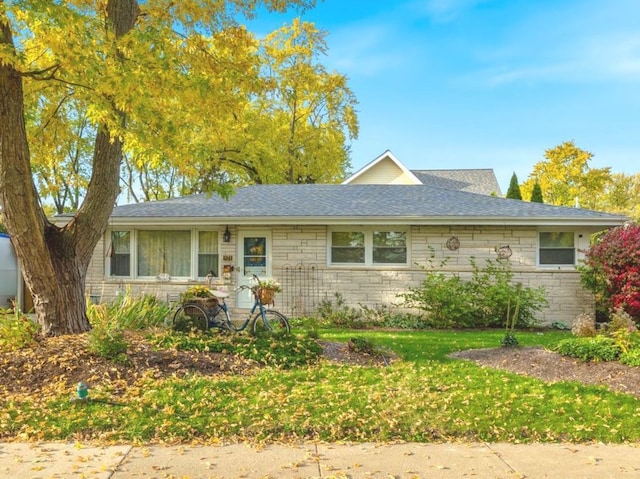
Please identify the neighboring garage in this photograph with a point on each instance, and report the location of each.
(8, 272)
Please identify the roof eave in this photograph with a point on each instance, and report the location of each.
(591, 223)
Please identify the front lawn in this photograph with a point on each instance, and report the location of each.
(424, 397)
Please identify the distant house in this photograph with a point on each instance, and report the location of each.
(362, 239)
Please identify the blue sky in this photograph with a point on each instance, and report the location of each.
(487, 83)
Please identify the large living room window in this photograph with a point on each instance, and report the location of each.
(164, 252)
(175, 253)
(368, 247)
(557, 249)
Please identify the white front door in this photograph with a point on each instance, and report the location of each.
(254, 258)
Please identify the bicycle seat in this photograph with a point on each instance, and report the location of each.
(219, 294)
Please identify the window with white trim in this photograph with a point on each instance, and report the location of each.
(120, 253)
(208, 258)
(556, 249)
(375, 246)
(177, 253)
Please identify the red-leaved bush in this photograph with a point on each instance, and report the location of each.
(611, 270)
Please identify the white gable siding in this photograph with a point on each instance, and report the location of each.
(385, 172)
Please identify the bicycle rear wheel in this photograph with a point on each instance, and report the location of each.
(189, 317)
(276, 322)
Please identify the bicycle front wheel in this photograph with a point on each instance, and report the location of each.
(273, 321)
(189, 317)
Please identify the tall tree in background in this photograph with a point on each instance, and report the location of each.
(566, 178)
(291, 121)
(536, 193)
(128, 64)
(514, 189)
(622, 195)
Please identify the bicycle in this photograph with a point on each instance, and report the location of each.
(215, 314)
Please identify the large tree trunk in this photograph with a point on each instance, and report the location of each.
(54, 260)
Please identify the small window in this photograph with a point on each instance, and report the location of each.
(557, 249)
(347, 247)
(120, 253)
(208, 258)
(389, 247)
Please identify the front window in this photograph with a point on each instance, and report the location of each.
(120, 253)
(207, 253)
(369, 247)
(557, 249)
(347, 247)
(164, 252)
(389, 247)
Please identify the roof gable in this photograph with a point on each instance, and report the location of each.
(384, 170)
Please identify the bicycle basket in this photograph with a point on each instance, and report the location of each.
(266, 295)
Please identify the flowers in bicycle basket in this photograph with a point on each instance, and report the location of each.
(267, 288)
(270, 284)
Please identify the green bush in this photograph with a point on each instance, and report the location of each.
(493, 290)
(598, 348)
(631, 357)
(17, 331)
(339, 314)
(482, 301)
(106, 338)
(445, 299)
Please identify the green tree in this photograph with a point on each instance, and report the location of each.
(143, 72)
(622, 195)
(514, 189)
(536, 193)
(566, 178)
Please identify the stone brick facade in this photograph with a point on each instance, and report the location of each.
(304, 248)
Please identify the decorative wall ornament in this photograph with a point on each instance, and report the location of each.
(504, 251)
(453, 243)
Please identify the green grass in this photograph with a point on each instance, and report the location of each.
(426, 397)
(431, 345)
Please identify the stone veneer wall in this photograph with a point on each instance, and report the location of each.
(307, 245)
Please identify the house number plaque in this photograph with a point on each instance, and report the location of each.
(227, 257)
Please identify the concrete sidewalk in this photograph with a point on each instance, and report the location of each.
(310, 460)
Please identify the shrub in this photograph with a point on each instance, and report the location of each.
(340, 314)
(598, 348)
(483, 301)
(106, 338)
(584, 325)
(621, 321)
(17, 331)
(611, 270)
(631, 358)
(445, 298)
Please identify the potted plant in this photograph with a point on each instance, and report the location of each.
(200, 295)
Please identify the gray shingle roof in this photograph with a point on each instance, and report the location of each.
(481, 181)
(331, 203)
